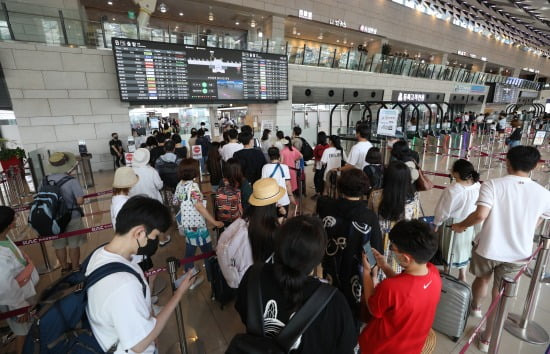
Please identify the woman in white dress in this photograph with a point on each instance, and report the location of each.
(455, 204)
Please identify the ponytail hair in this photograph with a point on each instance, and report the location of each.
(465, 170)
(336, 142)
(289, 143)
(300, 244)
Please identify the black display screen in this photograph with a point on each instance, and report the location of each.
(156, 72)
(5, 101)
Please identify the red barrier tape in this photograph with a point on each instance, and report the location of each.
(182, 262)
(36, 240)
(91, 195)
(9, 314)
(493, 305)
(436, 174)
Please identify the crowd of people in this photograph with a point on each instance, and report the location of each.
(364, 240)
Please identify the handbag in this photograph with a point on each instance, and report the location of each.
(255, 341)
(422, 183)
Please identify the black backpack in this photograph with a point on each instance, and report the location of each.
(375, 173)
(61, 324)
(168, 172)
(49, 214)
(255, 341)
(307, 151)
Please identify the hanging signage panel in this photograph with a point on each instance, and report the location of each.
(387, 122)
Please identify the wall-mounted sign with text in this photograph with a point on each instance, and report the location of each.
(305, 14)
(412, 96)
(387, 122)
(337, 22)
(367, 29)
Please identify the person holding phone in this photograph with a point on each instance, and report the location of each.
(403, 306)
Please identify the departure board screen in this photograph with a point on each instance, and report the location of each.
(157, 72)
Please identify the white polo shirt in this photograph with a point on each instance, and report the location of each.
(358, 153)
(516, 205)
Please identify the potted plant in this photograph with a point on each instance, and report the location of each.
(10, 157)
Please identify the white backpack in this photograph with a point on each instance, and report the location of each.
(234, 252)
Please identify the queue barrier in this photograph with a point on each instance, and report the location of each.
(87, 196)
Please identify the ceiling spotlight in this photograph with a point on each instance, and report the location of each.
(294, 30)
(210, 16)
(337, 41)
(345, 41)
(163, 8)
(351, 43)
(298, 33)
(260, 34)
(181, 13)
(253, 23)
(320, 37)
(109, 3)
(236, 23)
(114, 19)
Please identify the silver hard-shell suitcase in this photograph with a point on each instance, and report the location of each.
(456, 298)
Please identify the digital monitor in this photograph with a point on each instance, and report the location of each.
(156, 72)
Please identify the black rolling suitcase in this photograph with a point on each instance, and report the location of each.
(456, 296)
(221, 291)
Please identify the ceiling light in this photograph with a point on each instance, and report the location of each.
(260, 34)
(320, 37)
(114, 19)
(253, 23)
(163, 8)
(236, 23)
(298, 33)
(337, 41)
(181, 13)
(345, 41)
(294, 30)
(210, 16)
(109, 3)
(351, 43)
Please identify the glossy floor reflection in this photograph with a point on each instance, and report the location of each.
(205, 320)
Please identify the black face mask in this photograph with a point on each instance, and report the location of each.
(150, 247)
(115, 137)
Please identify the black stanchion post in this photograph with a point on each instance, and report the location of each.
(510, 290)
(522, 326)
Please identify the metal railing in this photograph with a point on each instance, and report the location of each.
(62, 29)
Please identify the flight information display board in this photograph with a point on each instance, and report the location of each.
(157, 72)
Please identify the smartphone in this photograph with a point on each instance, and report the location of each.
(370, 255)
(196, 274)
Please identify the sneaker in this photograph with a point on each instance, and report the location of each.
(154, 299)
(197, 282)
(165, 242)
(180, 279)
(483, 345)
(476, 312)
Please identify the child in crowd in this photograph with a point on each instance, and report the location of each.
(18, 276)
(281, 173)
(193, 215)
(403, 305)
(124, 179)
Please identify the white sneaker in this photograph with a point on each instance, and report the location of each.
(197, 282)
(476, 312)
(482, 345)
(180, 279)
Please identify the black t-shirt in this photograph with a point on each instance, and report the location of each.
(181, 152)
(116, 143)
(333, 331)
(155, 153)
(252, 160)
(516, 135)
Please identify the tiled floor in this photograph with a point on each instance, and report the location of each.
(215, 327)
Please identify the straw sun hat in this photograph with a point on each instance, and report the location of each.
(125, 177)
(60, 162)
(266, 191)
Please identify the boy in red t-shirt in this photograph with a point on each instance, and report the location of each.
(403, 305)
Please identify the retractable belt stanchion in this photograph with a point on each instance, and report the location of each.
(47, 268)
(509, 286)
(522, 326)
(544, 230)
(181, 347)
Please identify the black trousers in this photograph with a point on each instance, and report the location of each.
(119, 160)
(318, 180)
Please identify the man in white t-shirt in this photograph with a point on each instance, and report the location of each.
(229, 149)
(357, 154)
(120, 314)
(510, 208)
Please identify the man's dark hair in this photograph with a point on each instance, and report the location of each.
(523, 158)
(188, 169)
(273, 153)
(246, 129)
(374, 156)
(362, 130)
(353, 183)
(141, 210)
(176, 138)
(151, 141)
(169, 146)
(244, 138)
(7, 215)
(297, 131)
(200, 133)
(113, 134)
(415, 238)
(233, 134)
(161, 137)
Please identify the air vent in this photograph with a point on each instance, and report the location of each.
(308, 92)
(355, 93)
(331, 93)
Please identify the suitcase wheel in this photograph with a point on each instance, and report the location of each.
(455, 339)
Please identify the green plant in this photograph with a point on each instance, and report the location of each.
(7, 154)
(386, 49)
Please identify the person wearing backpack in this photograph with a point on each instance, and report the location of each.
(60, 165)
(281, 174)
(295, 310)
(167, 165)
(250, 239)
(192, 217)
(374, 168)
(351, 226)
(18, 277)
(252, 159)
(118, 309)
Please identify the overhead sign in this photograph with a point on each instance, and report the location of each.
(196, 152)
(414, 97)
(337, 22)
(305, 14)
(387, 122)
(367, 29)
(462, 88)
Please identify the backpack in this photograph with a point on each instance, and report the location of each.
(228, 203)
(168, 172)
(234, 252)
(375, 175)
(49, 214)
(255, 341)
(307, 151)
(61, 324)
(188, 216)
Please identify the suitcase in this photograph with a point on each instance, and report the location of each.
(221, 292)
(453, 308)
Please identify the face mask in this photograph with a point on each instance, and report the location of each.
(150, 247)
(115, 137)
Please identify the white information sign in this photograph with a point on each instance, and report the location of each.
(387, 122)
(268, 124)
(539, 137)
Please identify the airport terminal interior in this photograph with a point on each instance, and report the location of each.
(454, 79)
